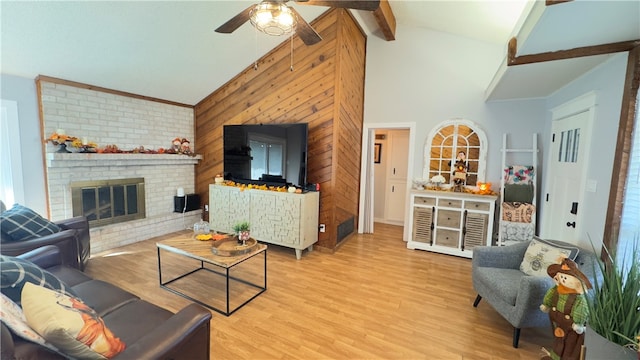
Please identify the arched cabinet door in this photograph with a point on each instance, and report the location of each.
(449, 139)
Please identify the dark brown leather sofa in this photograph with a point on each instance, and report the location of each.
(148, 331)
(73, 240)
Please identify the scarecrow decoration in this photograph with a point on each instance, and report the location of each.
(460, 172)
(566, 304)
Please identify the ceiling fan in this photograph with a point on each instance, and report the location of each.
(275, 17)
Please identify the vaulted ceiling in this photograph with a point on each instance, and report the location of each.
(168, 49)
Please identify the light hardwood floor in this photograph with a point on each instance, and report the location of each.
(372, 299)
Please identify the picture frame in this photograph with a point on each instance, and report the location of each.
(377, 148)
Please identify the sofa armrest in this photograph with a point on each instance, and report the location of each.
(530, 296)
(78, 223)
(503, 257)
(45, 256)
(65, 240)
(186, 335)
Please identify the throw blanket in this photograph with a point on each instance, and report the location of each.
(513, 231)
(519, 174)
(518, 212)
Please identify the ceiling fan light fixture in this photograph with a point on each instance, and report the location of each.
(273, 18)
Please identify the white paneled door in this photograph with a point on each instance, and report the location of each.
(566, 173)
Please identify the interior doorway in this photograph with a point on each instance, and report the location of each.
(390, 165)
(368, 173)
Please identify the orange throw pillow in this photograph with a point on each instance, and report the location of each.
(69, 324)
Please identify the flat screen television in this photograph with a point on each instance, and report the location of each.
(270, 154)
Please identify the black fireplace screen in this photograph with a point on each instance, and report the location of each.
(109, 201)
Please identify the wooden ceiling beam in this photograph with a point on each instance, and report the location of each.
(611, 48)
(386, 20)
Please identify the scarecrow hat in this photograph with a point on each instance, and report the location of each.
(568, 266)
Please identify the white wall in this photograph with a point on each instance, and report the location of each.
(23, 91)
(607, 80)
(427, 77)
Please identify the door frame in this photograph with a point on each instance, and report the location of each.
(585, 103)
(365, 211)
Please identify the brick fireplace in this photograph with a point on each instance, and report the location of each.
(162, 175)
(108, 117)
(105, 202)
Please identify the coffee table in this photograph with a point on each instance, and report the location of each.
(219, 266)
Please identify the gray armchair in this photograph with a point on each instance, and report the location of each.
(515, 295)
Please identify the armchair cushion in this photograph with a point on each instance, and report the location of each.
(16, 272)
(21, 223)
(540, 254)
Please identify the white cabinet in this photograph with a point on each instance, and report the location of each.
(449, 222)
(278, 218)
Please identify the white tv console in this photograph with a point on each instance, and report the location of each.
(280, 218)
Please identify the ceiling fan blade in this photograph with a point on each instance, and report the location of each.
(348, 4)
(308, 35)
(236, 21)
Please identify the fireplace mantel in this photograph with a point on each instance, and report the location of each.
(65, 160)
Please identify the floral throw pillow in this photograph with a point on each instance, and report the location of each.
(12, 316)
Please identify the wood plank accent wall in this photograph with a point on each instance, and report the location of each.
(325, 90)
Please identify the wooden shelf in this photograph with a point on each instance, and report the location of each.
(120, 159)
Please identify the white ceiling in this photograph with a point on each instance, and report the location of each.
(168, 49)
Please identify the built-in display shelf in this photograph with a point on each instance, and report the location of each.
(120, 159)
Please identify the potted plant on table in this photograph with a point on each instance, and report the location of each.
(242, 230)
(614, 307)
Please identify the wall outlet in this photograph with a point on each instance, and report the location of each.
(206, 207)
(322, 228)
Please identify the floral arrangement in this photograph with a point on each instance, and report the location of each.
(438, 179)
(84, 145)
(420, 183)
(59, 137)
(242, 231)
(241, 226)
